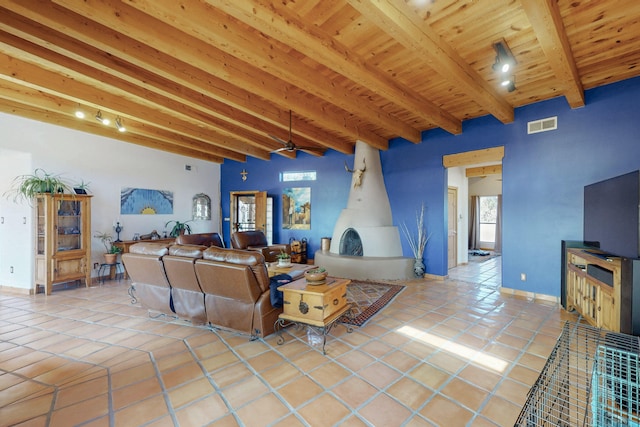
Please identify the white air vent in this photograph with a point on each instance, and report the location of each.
(542, 125)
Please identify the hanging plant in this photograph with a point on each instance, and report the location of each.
(27, 187)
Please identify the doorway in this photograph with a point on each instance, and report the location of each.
(462, 168)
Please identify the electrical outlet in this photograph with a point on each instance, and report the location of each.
(523, 277)
(95, 265)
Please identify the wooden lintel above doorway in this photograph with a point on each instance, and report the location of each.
(487, 155)
(484, 171)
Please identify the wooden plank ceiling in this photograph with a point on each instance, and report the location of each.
(214, 79)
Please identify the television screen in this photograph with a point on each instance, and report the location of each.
(611, 214)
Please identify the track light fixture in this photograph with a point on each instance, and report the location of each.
(504, 64)
(102, 120)
(119, 125)
(79, 113)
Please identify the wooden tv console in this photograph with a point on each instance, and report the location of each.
(594, 287)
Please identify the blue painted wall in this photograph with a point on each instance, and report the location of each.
(543, 179)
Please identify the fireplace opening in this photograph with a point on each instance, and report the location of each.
(350, 243)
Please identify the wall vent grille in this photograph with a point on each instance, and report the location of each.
(542, 125)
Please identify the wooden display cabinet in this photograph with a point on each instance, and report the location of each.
(63, 239)
(596, 298)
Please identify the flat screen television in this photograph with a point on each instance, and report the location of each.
(612, 214)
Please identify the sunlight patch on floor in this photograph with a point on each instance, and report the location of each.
(459, 350)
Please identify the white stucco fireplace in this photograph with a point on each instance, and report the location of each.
(365, 244)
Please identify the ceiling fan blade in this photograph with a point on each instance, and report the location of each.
(281, 141)
(279, 150)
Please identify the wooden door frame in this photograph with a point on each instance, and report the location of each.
(453, 191)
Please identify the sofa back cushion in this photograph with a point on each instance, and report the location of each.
(188, 251)
(144, 268)
(205, 239)
(147, 248)
(251, 259)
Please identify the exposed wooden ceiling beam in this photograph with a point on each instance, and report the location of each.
(92, 92)
(169, 68)
(396, 19)
(191, 50)
(68, 121)
(547, 24)
(315, 43)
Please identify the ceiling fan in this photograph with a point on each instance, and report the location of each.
(290, 145)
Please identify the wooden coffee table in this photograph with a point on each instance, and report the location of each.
(318, 307)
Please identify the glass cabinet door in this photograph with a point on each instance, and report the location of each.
(41, 224)
(69, 225)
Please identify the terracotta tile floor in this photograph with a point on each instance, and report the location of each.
(453, 352)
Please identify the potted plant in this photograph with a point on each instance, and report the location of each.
(178, 228)
(284, 259)
(26, 187)
(112, 251)
(417, 242)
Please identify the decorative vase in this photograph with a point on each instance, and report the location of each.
(418, 267)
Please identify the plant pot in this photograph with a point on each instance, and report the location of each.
(110, 258)
(284, 262)
(418, 268)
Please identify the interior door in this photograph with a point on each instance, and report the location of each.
(248, 210)
(452, 236)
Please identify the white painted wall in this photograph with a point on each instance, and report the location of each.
(457, 178)
(108, 165)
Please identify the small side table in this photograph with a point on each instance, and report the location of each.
(108, 268)
(318, 307)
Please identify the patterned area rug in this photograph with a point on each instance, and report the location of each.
(367, 299)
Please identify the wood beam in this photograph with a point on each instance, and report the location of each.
(108, 100)
(547, 24)
(315, 43)
(194, 77)
(33, 99)
(474, 157)
(190, 50)
(396, 19)
(484, 171)
(59, 119)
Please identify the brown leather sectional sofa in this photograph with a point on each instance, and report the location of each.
(226, 288)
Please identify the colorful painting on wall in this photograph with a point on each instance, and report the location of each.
(141, 201)
(296, 208)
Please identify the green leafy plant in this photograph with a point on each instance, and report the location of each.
(27, 187)
(283, 255)
(317, 270)
(178, 228)
(107, 241)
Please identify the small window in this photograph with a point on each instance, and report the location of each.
(298, 176)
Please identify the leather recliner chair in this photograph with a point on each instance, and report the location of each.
(256, 241)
